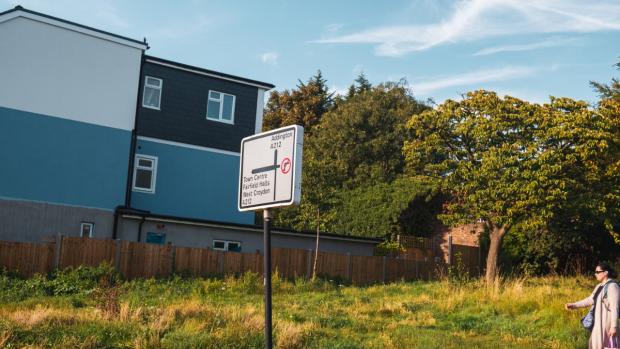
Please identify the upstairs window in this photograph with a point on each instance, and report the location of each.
(145, 173)
(221, 107)
(151, 98)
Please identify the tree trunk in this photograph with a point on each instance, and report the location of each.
(316, 250)
(496, 235)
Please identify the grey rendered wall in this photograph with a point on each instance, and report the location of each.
(31, 221)
(251, 240)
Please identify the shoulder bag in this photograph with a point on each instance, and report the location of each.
(588, 321)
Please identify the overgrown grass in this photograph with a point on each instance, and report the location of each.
(72, 309)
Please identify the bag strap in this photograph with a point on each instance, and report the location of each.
(610, 281)
(598, 291)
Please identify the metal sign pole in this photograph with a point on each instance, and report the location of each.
(267, 276)
(270, 176)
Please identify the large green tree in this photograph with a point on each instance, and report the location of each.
(507, 163)
(355, 150)
(360, 141)
(402, 206)
(304, 105)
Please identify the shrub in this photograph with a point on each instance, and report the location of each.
(389, 248)
(83, 279)
(455, 273)
(107, 294)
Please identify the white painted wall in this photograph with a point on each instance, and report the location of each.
(56, 71)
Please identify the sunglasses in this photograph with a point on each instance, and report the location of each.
(599, 271)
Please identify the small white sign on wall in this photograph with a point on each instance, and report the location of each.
(270, 170)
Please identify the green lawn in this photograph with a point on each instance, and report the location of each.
(73, 310)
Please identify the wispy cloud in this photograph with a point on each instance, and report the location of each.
(552, 42)
(270, 58)
(478, 19)
(429, 85)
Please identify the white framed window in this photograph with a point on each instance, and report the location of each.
(225, 245)
(145, 173)
(221, 107)
(87, 229)
(151, 97)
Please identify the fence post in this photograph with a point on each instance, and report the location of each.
(173, 259)
(450, 249)
(220, 261)
(349, 267)
(384, 266)
(479, 258)
(57, 251)
(117, 254)
(308, 264)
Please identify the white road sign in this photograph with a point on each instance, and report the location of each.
(270, 170)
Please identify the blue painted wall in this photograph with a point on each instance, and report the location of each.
(192, 183)
(50, 159)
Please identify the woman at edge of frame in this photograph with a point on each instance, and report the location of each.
(606, 312)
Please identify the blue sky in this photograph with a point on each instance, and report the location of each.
(526, 48)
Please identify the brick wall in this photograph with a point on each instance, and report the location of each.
(468, 235)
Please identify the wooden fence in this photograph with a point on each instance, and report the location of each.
(467, 257)
(143, 260)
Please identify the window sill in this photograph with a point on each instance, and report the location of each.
(222, 121)
(149, 107)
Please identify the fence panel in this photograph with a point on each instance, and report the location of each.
(290, 263)
(252, 262)
(199, 261)
(233, 262)
(332, 265)
(393, 269)
(401, 269)
(366, 270)
(27, 258)
(76, 251)
(469, 256)
(145, 260)
(427, 270)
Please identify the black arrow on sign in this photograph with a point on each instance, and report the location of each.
(273, 168)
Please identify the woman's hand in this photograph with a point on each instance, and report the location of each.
(613, 331)
(569, 306)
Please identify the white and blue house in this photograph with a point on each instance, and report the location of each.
(99, 139)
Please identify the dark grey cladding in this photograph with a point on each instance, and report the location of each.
(183, 109)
